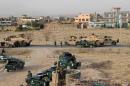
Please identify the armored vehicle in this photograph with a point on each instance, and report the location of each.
(16, 41)
(44, 78)
(68, 60)
(96, 41)
(14, 64)
(41, 79)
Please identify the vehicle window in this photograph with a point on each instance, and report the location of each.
(12, 62)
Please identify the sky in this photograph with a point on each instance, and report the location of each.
(58, 7)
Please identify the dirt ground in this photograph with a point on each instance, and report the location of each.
(39, 59)
(103, 62)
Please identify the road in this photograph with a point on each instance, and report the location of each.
(64, 46)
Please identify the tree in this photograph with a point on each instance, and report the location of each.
(28, 24)
(35, 24)
(19, 28)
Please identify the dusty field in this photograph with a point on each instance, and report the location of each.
(38, 59)
(107, 62)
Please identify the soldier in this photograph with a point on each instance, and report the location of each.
(3, 51)
(61, 43)
(117, 40)
(55, 43)
(29, 74)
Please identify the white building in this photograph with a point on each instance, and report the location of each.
(117, 18)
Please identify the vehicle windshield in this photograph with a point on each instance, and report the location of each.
(12, 62)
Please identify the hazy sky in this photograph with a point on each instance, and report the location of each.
(58, 7)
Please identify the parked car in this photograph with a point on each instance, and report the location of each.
(14, 64)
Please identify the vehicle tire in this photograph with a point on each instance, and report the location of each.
(27, 44)
(22, 43)
(102, 44)
(17, 44)
(113, 43)
(8, 70)
(97, 44)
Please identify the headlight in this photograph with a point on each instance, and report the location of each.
(32, 82)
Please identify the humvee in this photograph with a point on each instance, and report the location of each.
(16, 41)
(41, 79)
(14, 64)
(68, 60)
(44, 78)
(96, 41)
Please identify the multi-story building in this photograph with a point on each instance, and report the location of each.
(8, 21)
(24, 19)
(117, 18)
(44, 19)
(83, 20)
(97, 21)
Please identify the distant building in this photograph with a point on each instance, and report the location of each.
(96, 17)
(43, 19)
(96, 21)
(25, 19)
(8, 21)
(82, 20)
(65, 20)
(117, 18)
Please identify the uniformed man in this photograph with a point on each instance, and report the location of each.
(55, 43)
(61, 43)
(29, 74)
(3, 51)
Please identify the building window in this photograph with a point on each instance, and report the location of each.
(76, 19)
(83, 19)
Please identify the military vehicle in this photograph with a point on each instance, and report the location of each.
(68, 60)
(14, 64)
(41, 79)
(44, 78)
(16, 41)
(96, 41)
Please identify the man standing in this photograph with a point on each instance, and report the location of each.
(29, 74)
(3, 51)
(55, 43)
(61, 43)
